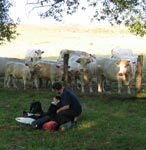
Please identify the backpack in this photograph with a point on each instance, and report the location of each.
(35, 110)
(35, 107)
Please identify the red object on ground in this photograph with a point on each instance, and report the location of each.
(49, 126)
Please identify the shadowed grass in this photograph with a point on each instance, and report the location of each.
(108, 122)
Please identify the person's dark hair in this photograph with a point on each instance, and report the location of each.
(58, 97)
(57, 86)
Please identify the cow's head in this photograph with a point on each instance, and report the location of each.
(124, 66)
(39, 54)
(83, 61)
(125, 71)
(31, 67)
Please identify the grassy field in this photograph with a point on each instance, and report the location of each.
(95, 39)
(108, 122)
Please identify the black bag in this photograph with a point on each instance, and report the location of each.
(36, 107)
(35, 110)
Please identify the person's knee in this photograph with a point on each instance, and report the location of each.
(66, 126)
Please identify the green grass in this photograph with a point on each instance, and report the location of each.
(108, 122)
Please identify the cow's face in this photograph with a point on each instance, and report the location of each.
(59, 68)
(37, 68)
(39, 54)
(124, 67)
(83, 61)
(31, 67)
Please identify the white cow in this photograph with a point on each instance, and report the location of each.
(73, 52)
(116, 52)
(115, 70)
(81, 66)
(33, 55)
(16, 70)
(46, 70)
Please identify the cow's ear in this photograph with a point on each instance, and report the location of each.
(118, 62)
(31, 59)
(36, 52)
(79, 60)
(42, 52)
(88, 60)
(128, 63)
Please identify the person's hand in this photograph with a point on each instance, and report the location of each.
(58, 110)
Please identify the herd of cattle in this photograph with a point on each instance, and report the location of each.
(83, 68)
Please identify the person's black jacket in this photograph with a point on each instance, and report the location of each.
(52, 109)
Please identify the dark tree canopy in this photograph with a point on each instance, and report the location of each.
(131, 13)
(7, 25)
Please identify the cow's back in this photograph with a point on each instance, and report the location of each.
(42, 70)
(118, 51)
(4, 61)
(18, 70)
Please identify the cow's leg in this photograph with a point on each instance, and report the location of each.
(82, 83)
(5, 81)
(47, 82)
(36, 83)
(82, 87)
(99, 88)
(129, 83)
(8, 82)
(14, 84)
(9, 79)
(129, 88)
(52, 82)
(24, 83)
(40, 80)
(99, 83)
(77, 83)
(119, 87)
(90, 87)
(103, 83)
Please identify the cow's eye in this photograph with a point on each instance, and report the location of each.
(126, 65)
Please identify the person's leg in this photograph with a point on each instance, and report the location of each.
(65, 116)
(39, 122)
(65, 119)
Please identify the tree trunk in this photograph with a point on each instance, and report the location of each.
(139, 73)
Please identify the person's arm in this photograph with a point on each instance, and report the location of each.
(63, 108)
